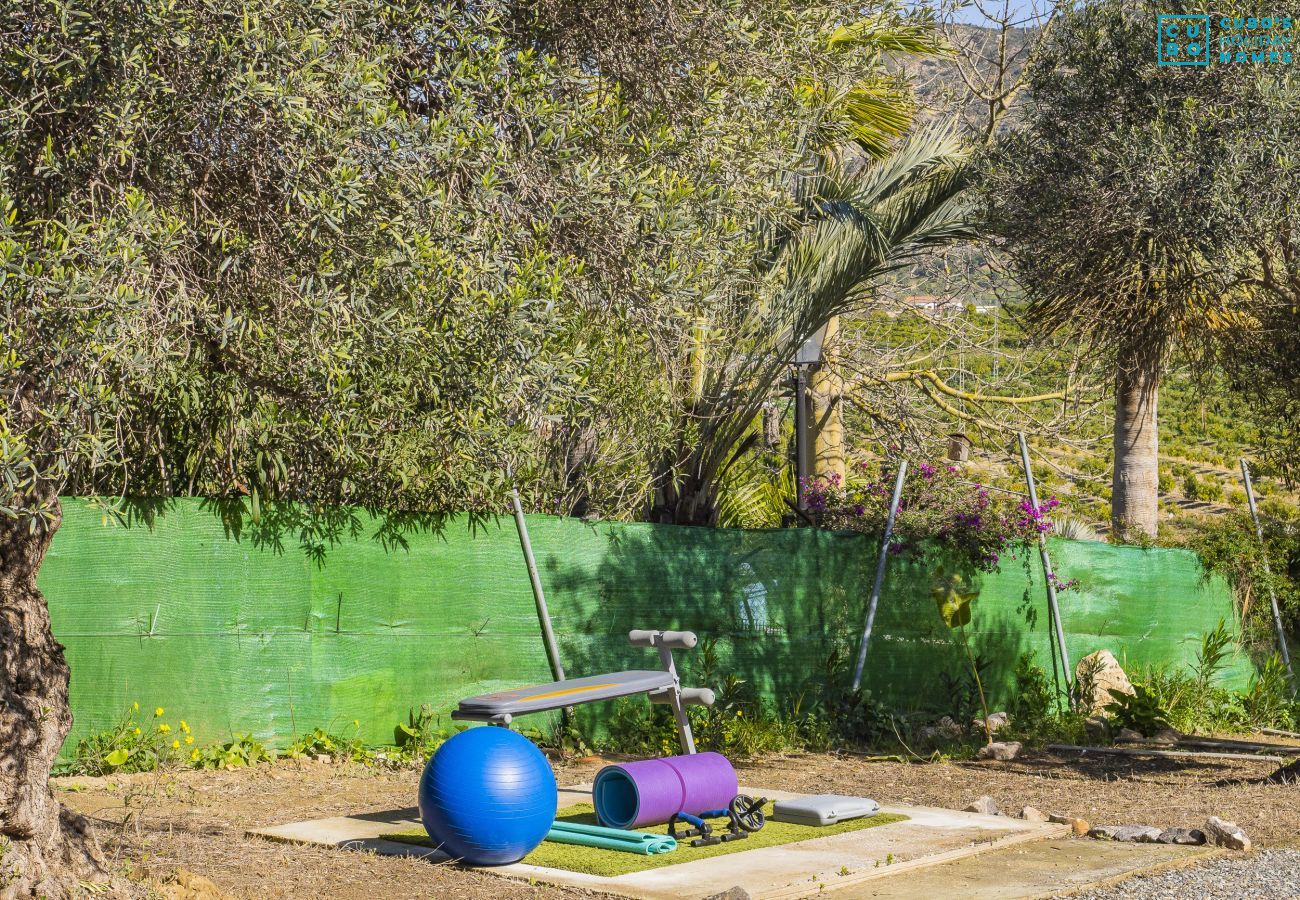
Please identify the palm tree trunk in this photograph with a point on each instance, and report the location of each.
(46, 848)
(1134, 502)
(827, 414)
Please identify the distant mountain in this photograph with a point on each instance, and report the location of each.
(941, 84)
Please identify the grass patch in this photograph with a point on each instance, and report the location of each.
(597, 861)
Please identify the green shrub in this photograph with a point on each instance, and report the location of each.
(131, 745)
(417, 740)
(241, 751)
(320, 743)
(1033, 703)
(1140, 711)
(1213, 653)
(1269, 702)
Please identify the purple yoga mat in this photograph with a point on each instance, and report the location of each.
(650, 791)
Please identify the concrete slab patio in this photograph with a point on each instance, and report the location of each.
(875, 862)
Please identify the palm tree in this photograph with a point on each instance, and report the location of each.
(853, 228)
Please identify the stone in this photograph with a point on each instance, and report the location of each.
(1226, 834)
(949, 727)
(1002, 751)
(1078, 826)
(1098, 729)
(1191, 836)
(1100, 676)
(732, 893)
(1103, 832)
(1166, 737)
(1029, 814)
(1137, 834)
(188, 886)
(944, 730)
(986, 806)
(997, 721)
(1128, 735)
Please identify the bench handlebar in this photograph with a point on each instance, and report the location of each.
(673, 640)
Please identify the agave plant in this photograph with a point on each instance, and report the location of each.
(857, 221)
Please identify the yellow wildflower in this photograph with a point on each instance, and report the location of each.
(185, 726)
(195, 755)
(176, 745)
(135, 707)
(158, 712)
(137, 731)
(164, 728)
(189, 739)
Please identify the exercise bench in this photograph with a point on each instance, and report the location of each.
(659, 685)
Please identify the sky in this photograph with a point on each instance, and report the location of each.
(1021, 9)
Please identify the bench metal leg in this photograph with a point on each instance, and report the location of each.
(675, 698)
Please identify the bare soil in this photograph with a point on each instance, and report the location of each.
(153, 825)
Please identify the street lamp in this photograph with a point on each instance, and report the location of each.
(808, 355)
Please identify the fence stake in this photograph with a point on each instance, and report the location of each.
(1272, 595)
(880, 573)
(1048, 576)
(543, 614)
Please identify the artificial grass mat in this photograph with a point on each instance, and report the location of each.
(598, 861)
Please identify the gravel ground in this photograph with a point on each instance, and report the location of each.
(1266, 875)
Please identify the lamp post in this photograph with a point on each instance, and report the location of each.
(808, 355)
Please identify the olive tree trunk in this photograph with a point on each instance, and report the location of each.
(1134, 501)
(45, 849)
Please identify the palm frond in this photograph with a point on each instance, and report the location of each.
(859, 226)
(888, 34)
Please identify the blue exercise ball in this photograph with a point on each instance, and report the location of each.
(487, 797)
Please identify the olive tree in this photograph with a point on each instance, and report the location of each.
(1110, 201)
(304, 258)
(234, 262)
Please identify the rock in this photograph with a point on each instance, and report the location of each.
(1166, 737)
(1080, 827)
(986, 806)
(1128, 735)
(1103, 832)
(943, 730)
(949, 727)
(732, 893)
(188, 886)
(1002, 751)
(1226, 834)
(1098, 728)
(997, 721)
(1100, 677)
(1029, 814)
(1191, 836)
(1137, 834)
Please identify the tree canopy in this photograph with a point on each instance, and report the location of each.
(368, 253)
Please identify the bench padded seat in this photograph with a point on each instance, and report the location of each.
(557, 694)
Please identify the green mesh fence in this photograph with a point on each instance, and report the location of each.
(235, 636)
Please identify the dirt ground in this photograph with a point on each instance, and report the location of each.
(151, 826)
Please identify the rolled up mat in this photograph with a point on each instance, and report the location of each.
(651, 791)
(611, 838)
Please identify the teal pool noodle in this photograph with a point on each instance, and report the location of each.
(620, 834)
(611, 839)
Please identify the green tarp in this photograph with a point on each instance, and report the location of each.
(236, 636)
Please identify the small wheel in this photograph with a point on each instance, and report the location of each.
(748, 813)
